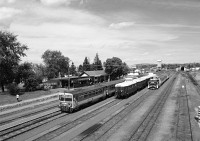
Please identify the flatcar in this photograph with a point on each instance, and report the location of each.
(71, 101)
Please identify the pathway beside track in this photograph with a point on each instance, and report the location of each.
(183, 129)
(27, 103)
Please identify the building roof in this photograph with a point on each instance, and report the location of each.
(94, 73)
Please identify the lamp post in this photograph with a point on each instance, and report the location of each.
(68, 75)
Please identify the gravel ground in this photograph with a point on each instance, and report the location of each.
(194, 101)
(163, 129)
(131, 120)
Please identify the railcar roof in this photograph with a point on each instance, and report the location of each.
(126, 83)
(85, 89)
(93, 87)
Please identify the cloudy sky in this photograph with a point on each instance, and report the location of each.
(137, 31)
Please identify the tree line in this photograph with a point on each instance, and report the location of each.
(55, 65)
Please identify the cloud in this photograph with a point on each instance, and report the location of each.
(6, 12)
(7, 2)
(55, 2)
(121, 25)
(7, 15)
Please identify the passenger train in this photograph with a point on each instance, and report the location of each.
(70, 101)
(128, 88)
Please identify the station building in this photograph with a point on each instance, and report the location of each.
(86, 78)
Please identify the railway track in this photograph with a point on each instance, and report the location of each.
(144, 127)
(65, 126)
(183, 129)
(37, 111)
(100, 130)
(24, 127)
(27, 108)
(195, 83)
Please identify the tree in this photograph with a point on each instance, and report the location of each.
(86, 65)
(97, 65)
(55, 63)
(40, 72)
(80, 68)
(73, 69)
(11, 51)
(125, 68)
(114, 67)
(24, 71)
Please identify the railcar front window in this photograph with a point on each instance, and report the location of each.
(65, 99)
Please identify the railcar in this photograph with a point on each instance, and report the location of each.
(141, 83)
(71, 101)
(125, 89)
(157, 81)
(154, 83)
(129, 87)
(109, 87)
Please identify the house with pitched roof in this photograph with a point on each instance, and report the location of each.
(93, 77)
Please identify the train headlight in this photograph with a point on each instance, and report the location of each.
(69, 104)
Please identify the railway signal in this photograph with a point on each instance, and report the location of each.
(198, 115)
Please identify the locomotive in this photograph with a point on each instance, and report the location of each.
(71, 101)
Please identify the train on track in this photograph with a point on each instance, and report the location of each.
(156, 81)
(72, 100)
(130, 87)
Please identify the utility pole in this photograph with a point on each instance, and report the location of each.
(68, 76)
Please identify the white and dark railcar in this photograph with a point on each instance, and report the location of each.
(128, 88)
(71, 101)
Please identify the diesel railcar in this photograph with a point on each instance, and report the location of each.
(154, 83)
(157, 81)
(128, 88)
(71, 101)
(125, 89)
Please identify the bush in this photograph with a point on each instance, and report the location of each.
(31, 84)
(13, 89)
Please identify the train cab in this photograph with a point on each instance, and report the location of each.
(154, 83)
(66, 102)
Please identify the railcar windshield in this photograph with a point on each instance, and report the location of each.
(65, 97)
(153, 81)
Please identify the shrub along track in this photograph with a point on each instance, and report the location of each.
(100, 130)
(183, 130)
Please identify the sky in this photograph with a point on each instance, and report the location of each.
(136, 31)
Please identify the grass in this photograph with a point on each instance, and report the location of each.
(6, 98)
